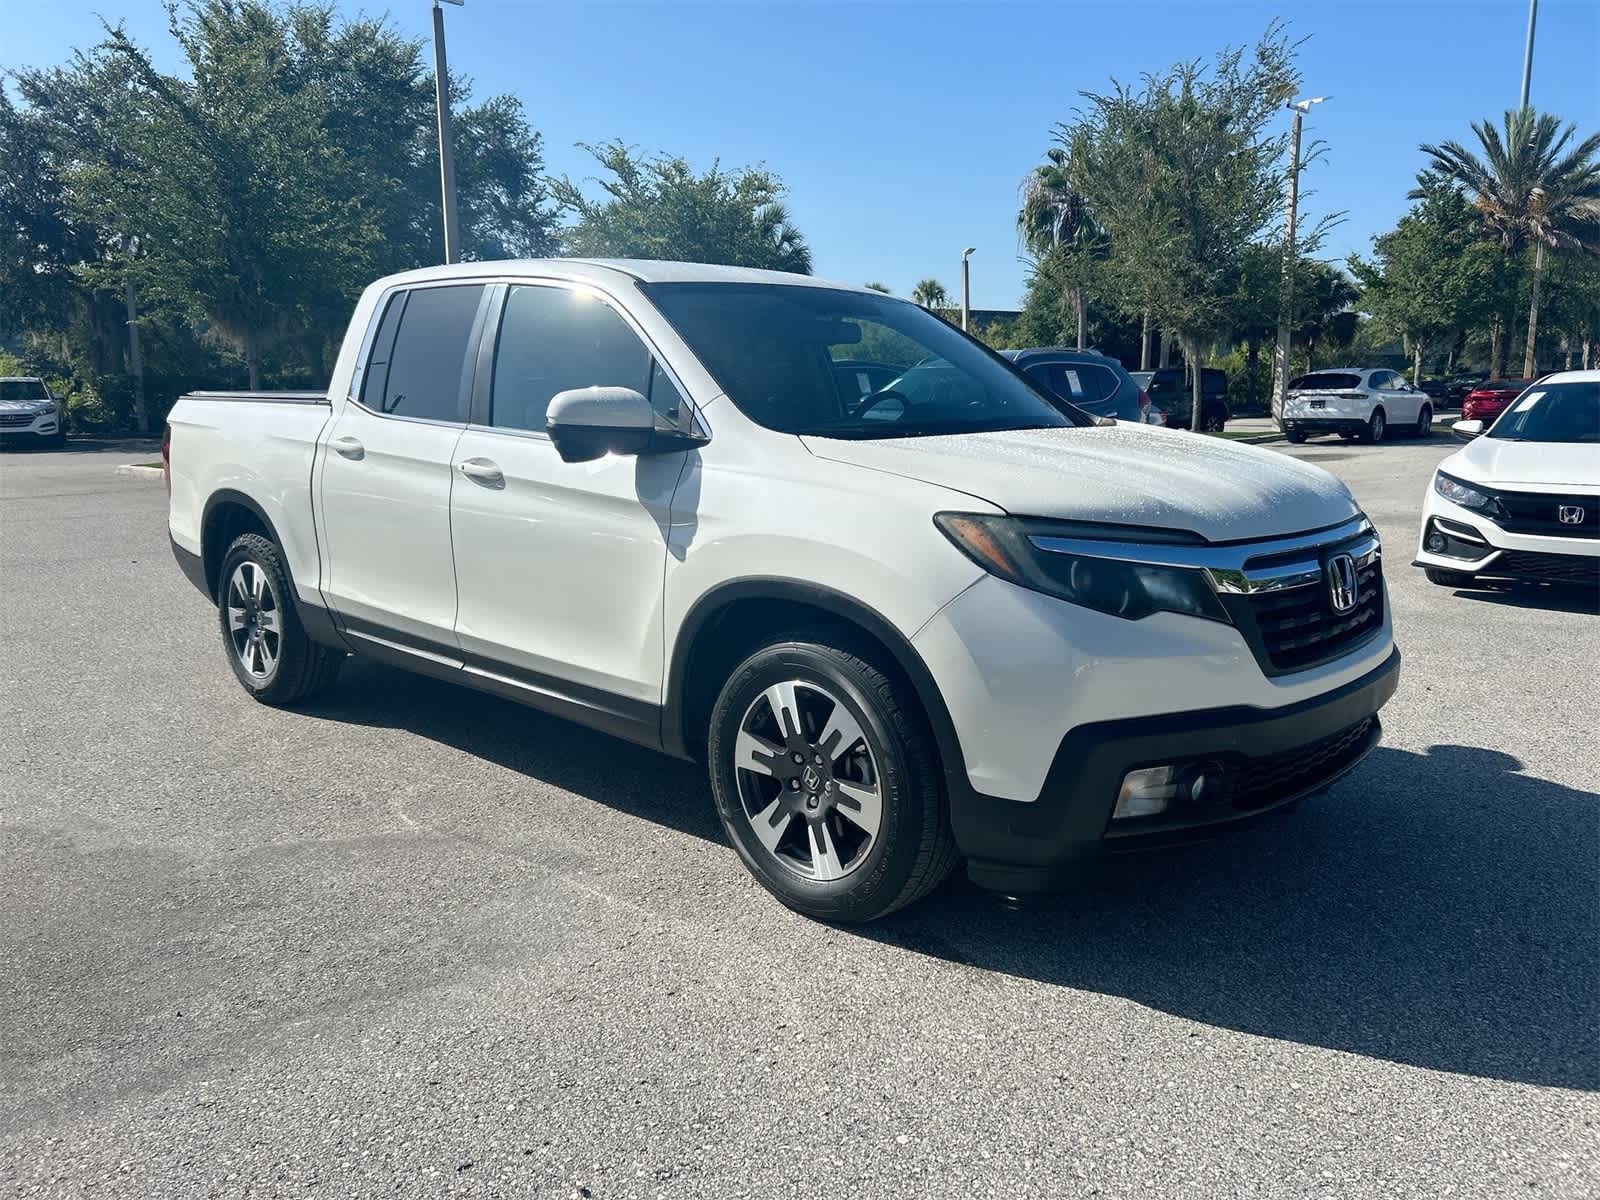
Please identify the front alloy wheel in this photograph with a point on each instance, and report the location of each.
(825, 777)
(807, 780)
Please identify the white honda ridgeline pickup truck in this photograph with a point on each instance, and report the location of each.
(908, 610)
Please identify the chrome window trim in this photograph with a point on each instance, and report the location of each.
(1227, 567)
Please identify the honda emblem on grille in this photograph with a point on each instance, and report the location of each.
(1570, 514)
(1341, 572)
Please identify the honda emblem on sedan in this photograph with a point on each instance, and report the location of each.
(1341, 571)
(1570, 514)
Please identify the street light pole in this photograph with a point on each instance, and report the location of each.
(447, 163)
(1280, 354)
(966, 288)
(1527, 55)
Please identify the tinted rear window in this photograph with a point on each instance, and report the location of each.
(1326, 381)
(428, 364)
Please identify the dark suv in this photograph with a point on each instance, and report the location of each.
(1171, 390)
(1093, 381)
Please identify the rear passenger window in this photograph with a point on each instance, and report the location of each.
(1084, 383)
(553, 339)
(426, 372)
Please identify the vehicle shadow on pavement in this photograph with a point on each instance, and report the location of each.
(109, 445)
(1440, 910)
(1514, 594)
(607, 770)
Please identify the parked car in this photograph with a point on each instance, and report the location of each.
(1172, 390)
(1092, 381)
(1522, 501)
(1154, 414)
(945, 620)
(29, 413)
(1437, 390)
(1354, 402)
(1461, 384)
(1491, 398)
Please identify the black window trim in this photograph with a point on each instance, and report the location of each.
(479, 416)
(495, 285)
(358, 377)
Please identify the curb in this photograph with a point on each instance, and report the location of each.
(139, 472)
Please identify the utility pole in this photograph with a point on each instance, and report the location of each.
(447, 164)
(1527, 55)
(141, 413)
(1280, 354)
(966, 287)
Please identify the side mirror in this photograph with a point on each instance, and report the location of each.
(1465, 431)
(589, 423)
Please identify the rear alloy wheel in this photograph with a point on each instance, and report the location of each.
(1375, 428)
(1215, 420)
(1425, 421)
(825, 784)
(267, 647)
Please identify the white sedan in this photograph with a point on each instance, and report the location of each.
(1522, 500)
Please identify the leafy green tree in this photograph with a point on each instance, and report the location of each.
(1431, 276)
(1532, 186)
(254, 196)
(1183, 175)
(930, 293)
(659, 208)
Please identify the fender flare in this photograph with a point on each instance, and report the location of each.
(674, 712)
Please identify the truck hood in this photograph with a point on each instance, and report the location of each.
(1128, 474)
(1556, 465)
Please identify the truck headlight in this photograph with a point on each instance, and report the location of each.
(1464, 494)
(1133, 590)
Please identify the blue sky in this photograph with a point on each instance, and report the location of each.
(902, 130)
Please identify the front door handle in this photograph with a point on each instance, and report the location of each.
(348, 447)
(482, 471)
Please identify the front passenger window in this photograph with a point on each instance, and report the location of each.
(553, 339)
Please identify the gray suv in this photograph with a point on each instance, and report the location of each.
(1092, 381)
(1171, 389)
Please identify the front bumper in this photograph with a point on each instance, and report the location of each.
(43, 428)
(1270, 758)
(1477, 546)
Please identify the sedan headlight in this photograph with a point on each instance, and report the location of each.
(1133, 590)
(1464, 494)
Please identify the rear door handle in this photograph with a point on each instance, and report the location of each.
(348, 447)
(482, 471)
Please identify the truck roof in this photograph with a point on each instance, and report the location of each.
(611, 270)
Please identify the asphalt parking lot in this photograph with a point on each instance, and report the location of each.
(418, 941)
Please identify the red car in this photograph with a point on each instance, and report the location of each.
(1490, 398)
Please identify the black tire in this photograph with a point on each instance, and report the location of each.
(1214, 420)
(1425, 421)
(912, 851)
(1451, 579)
(1377, 425)
(1297, 438)
(301, 668)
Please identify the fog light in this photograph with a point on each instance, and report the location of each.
(1435, 542)
(1146, 792)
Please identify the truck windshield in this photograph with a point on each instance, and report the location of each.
(1557, 412)
(843, 364)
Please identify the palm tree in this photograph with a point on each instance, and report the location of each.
(1529, 187)
(930, 293)
(1323, 297)
(1054, 223)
